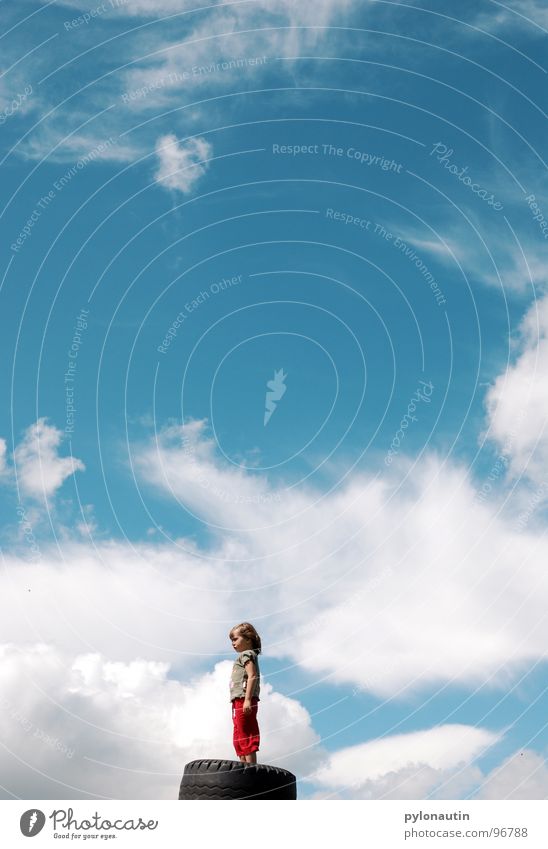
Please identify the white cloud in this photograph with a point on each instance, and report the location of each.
(517, 403)
(407, 766)
(524, 775)
(147, 599)
(181, 163)
(409, 574)
(75, 726)
(38, 467)
(438, 763)
(182, 462)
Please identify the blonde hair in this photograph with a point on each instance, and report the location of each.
(246, 629)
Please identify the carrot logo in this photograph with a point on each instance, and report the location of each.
(277, 389)
(32, 822)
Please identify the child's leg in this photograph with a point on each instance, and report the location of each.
(236, 718)
(252, 728)
(246, 731)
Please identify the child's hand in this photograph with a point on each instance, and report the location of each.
(246, 706)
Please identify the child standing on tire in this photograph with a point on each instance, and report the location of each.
(244, 691)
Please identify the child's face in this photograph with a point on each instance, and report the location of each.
(240, 643)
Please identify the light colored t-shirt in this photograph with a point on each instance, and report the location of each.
(238, 679)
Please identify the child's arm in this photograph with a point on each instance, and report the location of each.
(250, 686)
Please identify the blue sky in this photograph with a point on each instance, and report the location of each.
(337, 213)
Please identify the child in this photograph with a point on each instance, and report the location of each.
(244, 691)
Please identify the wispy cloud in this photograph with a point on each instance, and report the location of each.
(483, 251)
(217, 49)
(4, 468)
(59, 144)
(529, 14)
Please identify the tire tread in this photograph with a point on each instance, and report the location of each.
(224, 779)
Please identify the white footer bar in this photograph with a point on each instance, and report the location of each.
(272, 825)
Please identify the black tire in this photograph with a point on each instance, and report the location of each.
(211, 779)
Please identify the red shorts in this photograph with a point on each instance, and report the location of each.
(246, 729)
